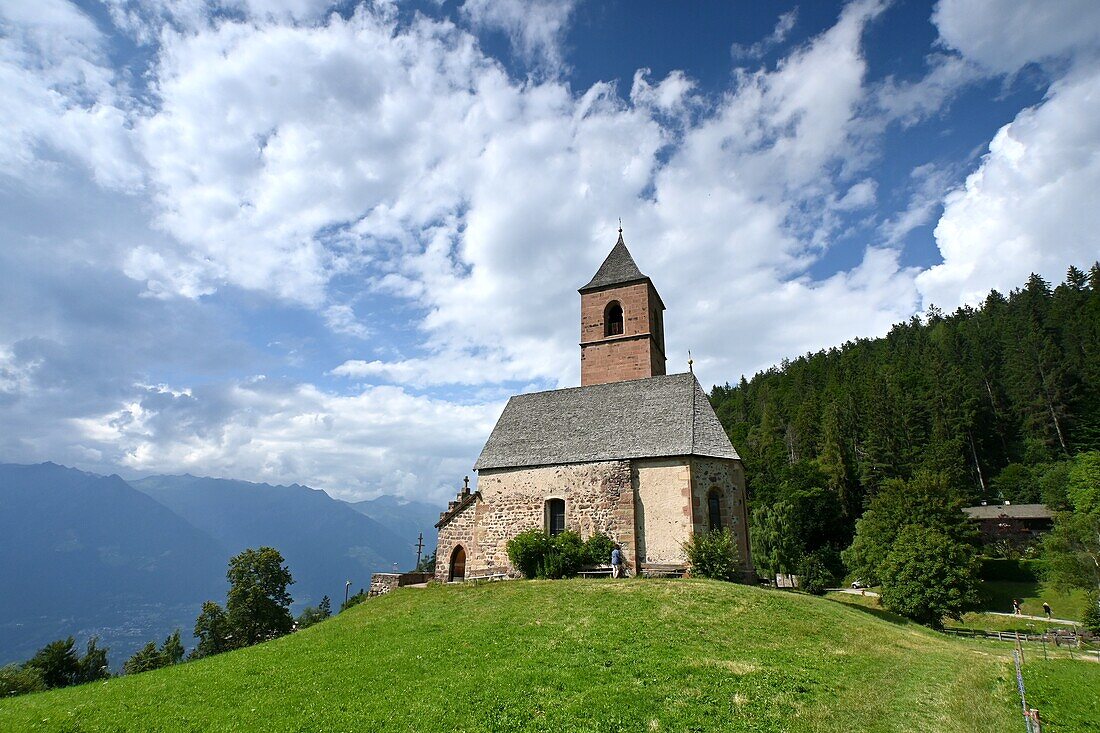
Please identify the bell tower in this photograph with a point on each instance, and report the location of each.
(622, 322)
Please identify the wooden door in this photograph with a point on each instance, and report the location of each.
(458, 564)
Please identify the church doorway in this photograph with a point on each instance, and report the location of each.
(458, 565)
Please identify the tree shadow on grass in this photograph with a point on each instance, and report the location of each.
(881, 613)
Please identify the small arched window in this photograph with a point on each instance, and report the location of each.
(613, 319)
(714, 509)
(555, 516)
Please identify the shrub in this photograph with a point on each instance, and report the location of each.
(567, 554)
(1091, 618)
(815, 572)
(354, 600)
(527, 550)
(713, 554)
(597, 549)
(16, 680)
(537, 555)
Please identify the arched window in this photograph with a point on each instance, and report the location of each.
(714, 508)
(555, 516)
(613, 319)
(458, 565)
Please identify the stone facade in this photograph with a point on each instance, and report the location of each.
(648, 506)
(636, 353)
(632, 453)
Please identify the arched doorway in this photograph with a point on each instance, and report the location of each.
(458, 565)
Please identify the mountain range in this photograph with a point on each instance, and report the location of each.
(130, 561)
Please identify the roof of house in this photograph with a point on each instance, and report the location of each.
(1011, 511)
(641, 418)
(617, 269)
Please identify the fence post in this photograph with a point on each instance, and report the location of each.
(1020, 687)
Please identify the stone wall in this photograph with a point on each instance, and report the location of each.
(727, 478)
(662, 508)
(598, 498)
(460, 529)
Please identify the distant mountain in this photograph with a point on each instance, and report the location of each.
(89, 554)
(324, 541)
(406, 519)
(131, 561)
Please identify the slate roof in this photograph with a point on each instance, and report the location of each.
(1010, 511)
(618, 268)
(641, 418)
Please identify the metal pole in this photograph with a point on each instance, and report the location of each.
(347, 587)
(419, 549)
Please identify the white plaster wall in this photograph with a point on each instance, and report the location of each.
(662, 508)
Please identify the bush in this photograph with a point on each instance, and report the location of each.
(527, 550)
(16, 680)
(597, 549)
(1091, 619)
(537, 555)
(815, 571)
(354, 600)
(566, 556)
(713, 554)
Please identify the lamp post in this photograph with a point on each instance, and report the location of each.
(347, 587)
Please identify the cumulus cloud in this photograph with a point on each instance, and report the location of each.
(1030, 205)
(1004, 35)
(60, 94)
(386, 178)
(535, 28)
(295, 433)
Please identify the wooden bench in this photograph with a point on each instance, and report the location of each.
(595, 571)
(491, 576)
(657, 570)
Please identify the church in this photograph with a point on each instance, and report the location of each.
(634, 453)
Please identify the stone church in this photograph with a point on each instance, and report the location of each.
(633, 452)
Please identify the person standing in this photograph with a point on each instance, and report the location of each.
(1015, 607)
(1046, 609)
(616, 562)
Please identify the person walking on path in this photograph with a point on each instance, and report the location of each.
(1015, 607)
(1046, 609)
(616, 562)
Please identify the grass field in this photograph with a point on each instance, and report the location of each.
(998, 595)
(575, 656)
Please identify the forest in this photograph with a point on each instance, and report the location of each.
(992, 403)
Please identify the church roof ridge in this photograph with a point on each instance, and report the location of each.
(618, 268)
(661, 416)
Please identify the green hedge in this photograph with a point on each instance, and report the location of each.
(1017, 571)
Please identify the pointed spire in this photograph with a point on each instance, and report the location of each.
(618, 269)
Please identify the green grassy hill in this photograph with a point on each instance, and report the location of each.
(569, 655)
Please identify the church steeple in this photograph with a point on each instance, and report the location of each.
(622, 326)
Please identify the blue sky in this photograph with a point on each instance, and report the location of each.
(293, 241)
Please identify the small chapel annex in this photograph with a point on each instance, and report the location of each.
(633, 452)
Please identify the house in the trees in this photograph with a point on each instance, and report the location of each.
(633, 452)
(1016, 524)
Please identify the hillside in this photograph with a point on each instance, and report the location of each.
(88, 554)
(572, 655)
(132, 561)
(323, 540)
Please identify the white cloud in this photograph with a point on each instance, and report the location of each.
(1031, 204)
(380, 440)
(296, 155)
(758, 50)
(1004, 35)
(60, 94)
(535, 28)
